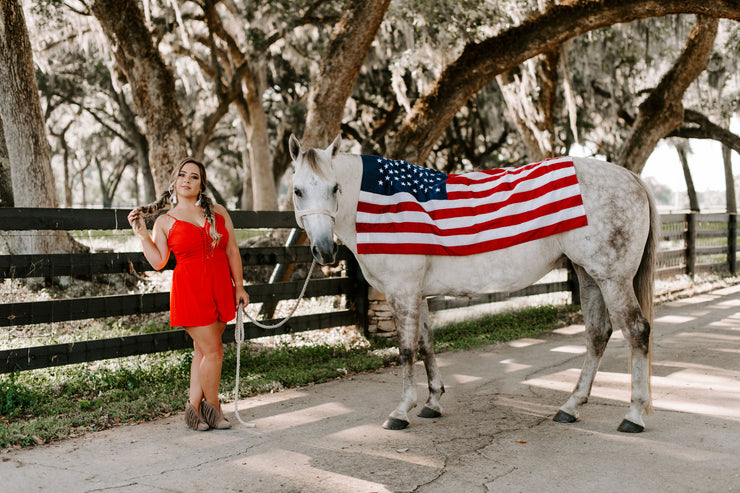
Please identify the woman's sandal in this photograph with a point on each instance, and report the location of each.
(214, 417)
(193, 420)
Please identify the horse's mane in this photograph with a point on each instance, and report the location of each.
(312, 158)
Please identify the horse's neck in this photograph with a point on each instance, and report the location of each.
(348, 169)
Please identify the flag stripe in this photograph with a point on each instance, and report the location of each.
(402, 237)
(499, 174)
(447, 209)
(412, 248)
(507, 183)
(404, 223)
(411, 210)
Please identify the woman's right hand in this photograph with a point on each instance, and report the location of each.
(136, 221)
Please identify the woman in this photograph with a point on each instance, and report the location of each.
(207, 283)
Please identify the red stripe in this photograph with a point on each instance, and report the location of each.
(516, 196)
(495, 174)
(424, 249)
(499, 222)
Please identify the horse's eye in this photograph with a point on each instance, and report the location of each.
(336, 189)
(297, 192)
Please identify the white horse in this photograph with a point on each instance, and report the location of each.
(613, 256)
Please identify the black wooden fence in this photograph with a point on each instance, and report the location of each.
(692, 243)
(89, 264)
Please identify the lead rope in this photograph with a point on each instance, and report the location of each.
(239, 338)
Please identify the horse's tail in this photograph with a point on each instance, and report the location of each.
(644, 281)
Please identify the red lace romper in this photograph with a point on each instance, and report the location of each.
(202, 289)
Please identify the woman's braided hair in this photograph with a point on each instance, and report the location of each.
(205, 202)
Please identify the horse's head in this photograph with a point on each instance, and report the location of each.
(315, 196)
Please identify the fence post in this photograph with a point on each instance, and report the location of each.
(732, 243)
(574, 285)
(691, 244)
(282, 272)
(359, 299)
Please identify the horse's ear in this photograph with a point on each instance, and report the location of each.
(294, 147)
(335, 145)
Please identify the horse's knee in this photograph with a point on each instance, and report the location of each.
(639, 335)
(405, 355)
(598, 340)
(644, 337)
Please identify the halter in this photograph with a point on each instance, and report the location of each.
(308, 212)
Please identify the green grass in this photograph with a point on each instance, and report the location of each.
(502, 327)
(45, 405)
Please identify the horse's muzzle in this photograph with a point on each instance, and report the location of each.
(325, 252)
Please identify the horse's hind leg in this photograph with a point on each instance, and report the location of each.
(406, 314)
(432, 408)
(598, 332)
(627, 316)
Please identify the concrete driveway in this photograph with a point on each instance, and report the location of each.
(496, 433)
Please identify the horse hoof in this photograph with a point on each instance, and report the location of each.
(629, 427)
(395, 424)
(563, 417)
(429, 413)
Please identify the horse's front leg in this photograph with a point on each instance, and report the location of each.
(406, 314)
(432, 408)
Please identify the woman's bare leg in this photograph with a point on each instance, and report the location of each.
(196, 388)
(208, 357)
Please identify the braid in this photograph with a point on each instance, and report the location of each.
(159, 204)
(207, 206)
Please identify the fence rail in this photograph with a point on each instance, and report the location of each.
(690, 243)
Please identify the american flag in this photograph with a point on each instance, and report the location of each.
(407, 209)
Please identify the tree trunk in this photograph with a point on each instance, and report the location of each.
(83, 184)
(67, 175)
(251, 70)
(6, 184)
(480, 62)
(25, 133)
(152, 84)
(340, 66)
(698, 126)
(145, 171)
(529, 94)
(245, 202)
(260, 176)
(690, 189)
(105, 195)
(730, 198)
(662, 111)
(23, 120)
(65, 161)
(264, 193)
(139, 142)
(6, 189)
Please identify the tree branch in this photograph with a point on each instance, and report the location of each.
(698, 126)
(662, 111)
(480, 62)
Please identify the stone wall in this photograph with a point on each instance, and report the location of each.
(380, 319)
